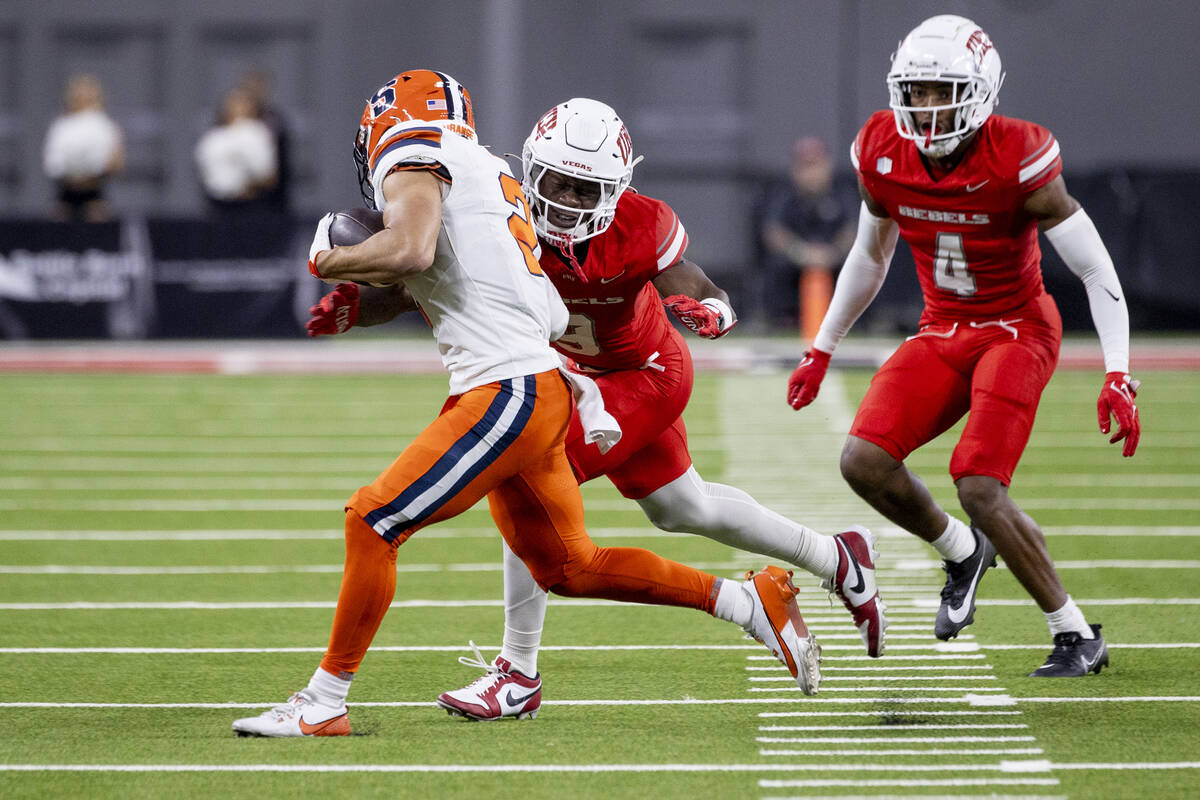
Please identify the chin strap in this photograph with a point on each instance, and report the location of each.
(569, 252)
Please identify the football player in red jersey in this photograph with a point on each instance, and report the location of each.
(969, 190)
(616, 257)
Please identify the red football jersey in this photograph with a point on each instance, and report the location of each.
(617, 316)
(975, 248)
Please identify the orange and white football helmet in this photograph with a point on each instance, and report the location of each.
(946, 49)
(583, 139)
(419, 94)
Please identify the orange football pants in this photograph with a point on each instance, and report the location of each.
(505, 441)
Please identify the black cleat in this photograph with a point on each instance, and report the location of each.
(1074, 656)
(957, 610)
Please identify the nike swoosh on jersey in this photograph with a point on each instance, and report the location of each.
(613, 278)
(957, 615)
(513, 702)
(977, 186)
(1107, 291)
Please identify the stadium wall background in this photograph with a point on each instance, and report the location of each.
(714, 93)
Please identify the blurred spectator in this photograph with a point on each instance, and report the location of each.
(83, 149)
(257, 83)
(807, 229)
(236, 158)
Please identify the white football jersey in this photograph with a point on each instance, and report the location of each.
(492, 309)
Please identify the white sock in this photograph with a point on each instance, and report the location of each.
(731, 516)
(328, 689)
(733, 603)
(956, 542)
(1069, 618)
(524, 615)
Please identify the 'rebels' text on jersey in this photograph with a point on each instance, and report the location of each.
(975, 248)
(616, 313)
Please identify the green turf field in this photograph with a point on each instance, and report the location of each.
(171, 554)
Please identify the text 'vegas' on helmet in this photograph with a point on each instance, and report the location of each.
(582, 139)
(952, 50)
(421, 95)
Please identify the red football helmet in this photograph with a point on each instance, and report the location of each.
(419, 94)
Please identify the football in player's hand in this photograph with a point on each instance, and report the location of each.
(354, 225)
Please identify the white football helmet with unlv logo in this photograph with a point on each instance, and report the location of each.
(583, 139)
(947, 49)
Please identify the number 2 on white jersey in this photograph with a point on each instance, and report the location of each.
(950, 269)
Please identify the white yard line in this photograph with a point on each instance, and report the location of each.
(925, 751)
(876, 714)
(888, 739)
(619, 702)
(880, 727)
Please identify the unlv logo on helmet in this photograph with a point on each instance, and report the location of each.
(625, 144)
(548, 121)
(979, 44)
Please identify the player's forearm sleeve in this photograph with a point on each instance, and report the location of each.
(862, 274)
(1078, 243)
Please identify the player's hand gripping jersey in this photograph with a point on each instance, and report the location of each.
(617, 320)
(474, 287)
(975, 248)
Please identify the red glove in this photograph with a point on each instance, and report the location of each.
(710, 318)
(1116, 400)
(806, 378)
(336, 313)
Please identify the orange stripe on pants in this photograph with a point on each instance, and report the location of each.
(535, 501)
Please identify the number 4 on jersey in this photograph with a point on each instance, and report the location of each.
(950, 269)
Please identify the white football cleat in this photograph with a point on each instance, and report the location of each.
(776, 622)
(854, 583)
(301, 715)
(500, 692)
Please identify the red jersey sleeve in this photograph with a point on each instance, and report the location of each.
(669, 236)
(1040, 161)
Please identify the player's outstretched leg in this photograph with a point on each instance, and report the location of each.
(731, 516)
(302, 715)
(957, 609)
(501, 692)
(775, 621)
(854, 582)
(1074, 656)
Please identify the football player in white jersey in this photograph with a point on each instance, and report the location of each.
(457, 235)
(618, 260)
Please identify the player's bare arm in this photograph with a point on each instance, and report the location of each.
(1051, 204)
(412, 218)
(686, 277)
(380, 304)
(695, 300)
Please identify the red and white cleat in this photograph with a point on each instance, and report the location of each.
(854, 583)
(500, 692)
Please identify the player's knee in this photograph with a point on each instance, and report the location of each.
(678, 517)
(980, 496)
(858, 468)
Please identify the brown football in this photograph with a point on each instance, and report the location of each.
(354, 225)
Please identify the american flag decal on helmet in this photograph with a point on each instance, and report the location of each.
(435, 105)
